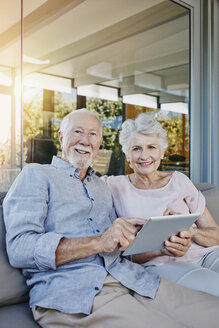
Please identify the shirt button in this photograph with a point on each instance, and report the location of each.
(97, 230)
(92, 199)
(90, 219)
(71, 175)
(88, 179)
(96, 288)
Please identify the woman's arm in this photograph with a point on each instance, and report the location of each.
(207, 231)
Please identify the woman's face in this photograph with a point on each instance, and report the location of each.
(145, 153)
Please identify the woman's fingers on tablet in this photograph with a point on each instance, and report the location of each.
(170, 211)
(186, 233)
(178, 246)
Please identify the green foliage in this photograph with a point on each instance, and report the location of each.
(176, 131)
(62, 108)
(107, 109)
(104, 108)
(33, 115)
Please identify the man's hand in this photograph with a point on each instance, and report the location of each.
(121, 234)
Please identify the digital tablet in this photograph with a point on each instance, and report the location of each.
(158, 229)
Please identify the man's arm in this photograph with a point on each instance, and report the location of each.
(120, 234)
(25, 211)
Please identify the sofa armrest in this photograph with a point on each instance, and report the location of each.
(13, 286)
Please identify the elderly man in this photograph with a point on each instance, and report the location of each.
(62, 231)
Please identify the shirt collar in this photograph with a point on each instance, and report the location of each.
(59, 163)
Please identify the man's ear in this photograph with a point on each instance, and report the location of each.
(60, 137)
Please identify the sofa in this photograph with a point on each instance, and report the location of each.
(14, 308)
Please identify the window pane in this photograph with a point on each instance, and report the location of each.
(10, 92)
(109, 159)
(177, 126)
(138, 48)
(43, 112)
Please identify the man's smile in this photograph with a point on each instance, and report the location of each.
(82, 151)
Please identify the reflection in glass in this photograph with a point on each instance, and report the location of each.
(43, 112)
(109, 159)
(10, 93)
(135, 48)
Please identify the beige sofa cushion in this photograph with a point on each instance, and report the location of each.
(211, 194)
(212, 202)
(13, 288)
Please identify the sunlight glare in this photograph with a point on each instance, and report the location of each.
(5, 114)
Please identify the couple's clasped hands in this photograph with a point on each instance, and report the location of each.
(123, 231)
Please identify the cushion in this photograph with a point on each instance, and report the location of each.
(13, 288)
(204, 186)
(17, 316)
(212, 202)
(2, 196)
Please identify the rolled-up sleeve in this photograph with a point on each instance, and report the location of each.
(45, 248)
(25, 208)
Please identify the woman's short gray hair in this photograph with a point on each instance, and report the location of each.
(146, 124)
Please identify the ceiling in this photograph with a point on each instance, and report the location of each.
(139, 46)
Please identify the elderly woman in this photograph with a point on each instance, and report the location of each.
(149, 192)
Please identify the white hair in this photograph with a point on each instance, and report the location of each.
(65, 123)
(146, 124)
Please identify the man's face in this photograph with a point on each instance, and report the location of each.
(81, 140)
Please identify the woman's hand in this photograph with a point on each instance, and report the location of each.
(170, 211)
(178, 245)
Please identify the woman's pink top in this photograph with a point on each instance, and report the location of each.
(179, 194)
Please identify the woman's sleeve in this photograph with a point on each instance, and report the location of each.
(193, 197)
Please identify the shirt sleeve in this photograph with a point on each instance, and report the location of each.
(192, 196)
(25, 208)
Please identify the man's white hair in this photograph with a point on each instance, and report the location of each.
(146, 124)
(65, 123)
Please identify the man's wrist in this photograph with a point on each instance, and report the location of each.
(97, 244)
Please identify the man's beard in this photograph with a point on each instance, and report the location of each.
(80, 163)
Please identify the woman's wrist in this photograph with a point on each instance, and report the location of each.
(194, 231)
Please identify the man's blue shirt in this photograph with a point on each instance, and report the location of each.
(47, 203)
